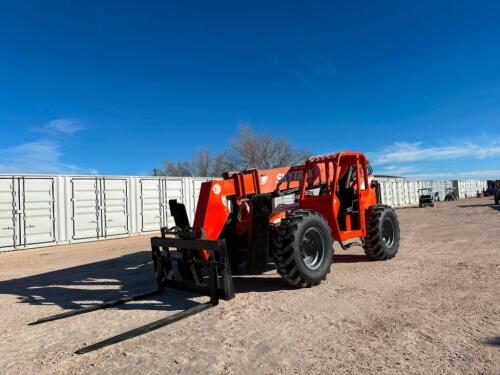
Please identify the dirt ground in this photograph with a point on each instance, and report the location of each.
(435, 308)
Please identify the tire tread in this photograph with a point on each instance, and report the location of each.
(283, 248)
(373, 245)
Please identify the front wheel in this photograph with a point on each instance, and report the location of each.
(302, 248)
(382, 233)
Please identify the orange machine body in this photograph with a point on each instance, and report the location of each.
(317, 185)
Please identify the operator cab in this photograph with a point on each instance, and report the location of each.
(344, 194)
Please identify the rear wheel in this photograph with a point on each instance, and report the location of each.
(382, 233)
(302, 248)
(497, 198)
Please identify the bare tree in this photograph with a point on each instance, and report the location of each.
(202, 163)
(251, 150)
(247, 150)
(284, 153)
(224, 162)
(265, 151)
(175, 169)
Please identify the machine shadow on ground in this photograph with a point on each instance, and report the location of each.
(113, 279)
(121, 277)
(244, 283)
(102, 281)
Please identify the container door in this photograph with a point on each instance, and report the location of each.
(414, 199)
(406, 193)
(173, 189)
(37, 203)
(386, 193)
(115, 199)
(151, 204)
(8, 213)
(86, 208)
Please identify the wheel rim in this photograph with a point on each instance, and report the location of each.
(312, 248)
(388, 232)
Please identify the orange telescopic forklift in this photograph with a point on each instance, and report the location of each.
(290, 216)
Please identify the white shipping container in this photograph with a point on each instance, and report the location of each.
(115, 204)
(150, 204)
(46, 210)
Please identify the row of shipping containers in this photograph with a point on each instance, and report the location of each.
(48, 210)
(469, 188)
(402, 192)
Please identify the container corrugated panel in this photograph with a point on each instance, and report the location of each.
(401, 193)
(438, 188)
(411, 192)
(384, 192)
(392, 193)
(396, 195)
(37, 206)
(115, 203)
(406, 192)
(174, 189)
(395, 192)
(415, 192)
(150, 204)
(389, 194)
(7, 209)
(85, 208)
(469, 188)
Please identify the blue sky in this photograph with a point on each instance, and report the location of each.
(115, 87)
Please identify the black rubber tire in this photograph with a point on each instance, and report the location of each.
(286, 248)
(497, 198)
(375, 246)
